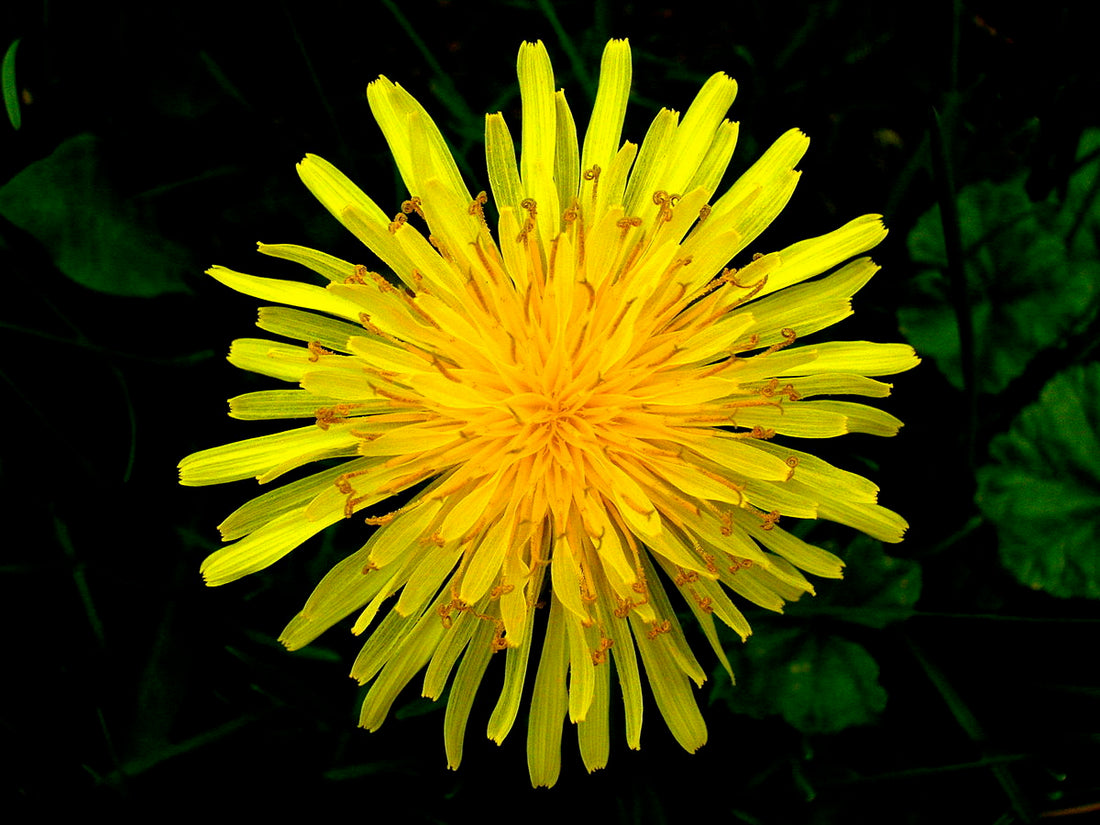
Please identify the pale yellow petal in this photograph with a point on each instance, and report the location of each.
(601, 140)
(500, 157)
(435, 565)
(696, 133)
(582, 678)
(418, 146)
(403, 535)
(592, 732)
(329, 266)
(809, 307)
(671, 690)
(536, 165)
(345, 588)
(801, 554)
(644, 179)
(817, 255)
(453, 645)
(255, 456)
(264, 547)
(408, 657)
(307, 326)
(295, 496)
(548, 702)
(268, 404)
(297, 294)
(356, 211)
(747, 208)
(485, 562)
(461, 699)
(567, 173)
(515, 673)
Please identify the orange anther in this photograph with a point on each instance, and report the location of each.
(316, 351)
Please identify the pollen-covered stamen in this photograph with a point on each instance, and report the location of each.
(661, 316)
(345, 487)
(657, 628)
(316, 351)
(574, 226)
(593, 175)
(771, 519)
(599, 655)
(712, 304)
(530, 224)
(789, 337)
(626, 224)
(665, 202)
(327, 416)
(362, 274)
(444, 253)
(704, 213)
(628, 254)
(738, 564)
(685, 577)
(477, 207)
(792, 462)
(772, 387)
(413, 204)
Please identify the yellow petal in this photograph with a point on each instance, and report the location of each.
(307, 296)
(262, 548)
(601, 140)
(536, 89)
(548, 703)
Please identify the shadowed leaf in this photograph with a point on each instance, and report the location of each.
(877, 589)
(1042, 490)
(818, 683)
(95, 237)
(9, 87)
(1027, 286)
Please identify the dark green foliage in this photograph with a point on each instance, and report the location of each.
(807, 671)
(100, 239)
(1028, 287)
(818, 683)
(1042, 489)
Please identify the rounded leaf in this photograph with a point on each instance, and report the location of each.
(1042, 489)
(818, 683)
(1024, 289)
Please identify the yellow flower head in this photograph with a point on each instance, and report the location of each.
(579, 408)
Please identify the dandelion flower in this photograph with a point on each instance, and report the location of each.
(579, 409)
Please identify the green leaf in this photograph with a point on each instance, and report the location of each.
(9, 87)
(1042, 489)
(1026, 290)
(818, 683)
(876, 590)
(1079, 218)
(66, 201)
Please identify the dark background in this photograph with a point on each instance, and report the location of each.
(132, 685)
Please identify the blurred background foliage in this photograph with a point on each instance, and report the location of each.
(951, 678)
